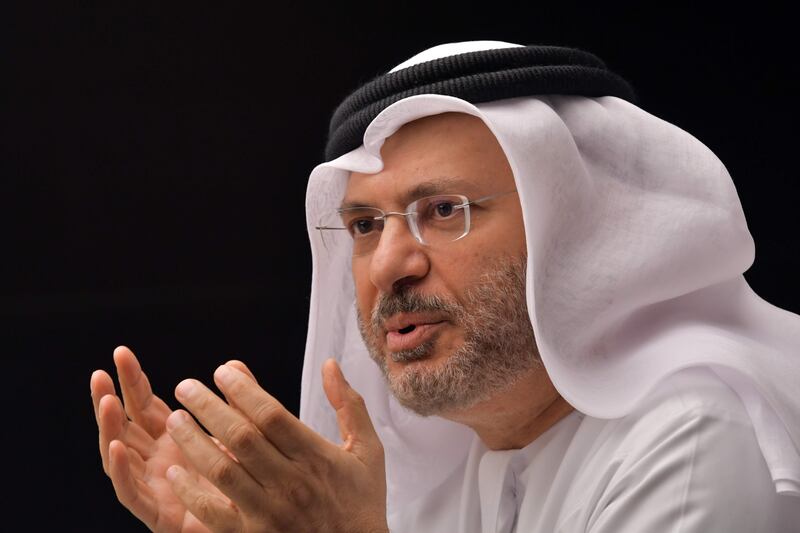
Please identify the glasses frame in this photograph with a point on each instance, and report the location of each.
(410, 215)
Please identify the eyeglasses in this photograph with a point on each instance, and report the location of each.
(433, 220)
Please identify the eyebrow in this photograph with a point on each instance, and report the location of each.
(426, 188)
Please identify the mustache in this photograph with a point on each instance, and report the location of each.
(409, 301)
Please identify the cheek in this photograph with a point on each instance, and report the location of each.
(465, 265)
(501, 239)
(504, 237)
(457, 270)
(365, 290)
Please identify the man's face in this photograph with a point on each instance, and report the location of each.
(447, 324)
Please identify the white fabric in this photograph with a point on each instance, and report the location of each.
(685, 460)
(636, 246)
(451, 49)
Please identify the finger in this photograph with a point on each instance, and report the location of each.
(215, 465)
(142, 406)
(290, 436)
(241, 367)
(239, 435)
(100, 384)
(355, 425)
(108, 427)
(224, 448)
(133, 493)
(215, 511)
(114, 425)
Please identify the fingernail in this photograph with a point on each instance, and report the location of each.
(224, 374)
(172, 473)
(176, 419)
(185, 389)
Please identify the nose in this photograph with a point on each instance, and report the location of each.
(398, 259)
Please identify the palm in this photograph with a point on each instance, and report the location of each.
(137, 450)
(172, 514)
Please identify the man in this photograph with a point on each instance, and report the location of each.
(551, 283)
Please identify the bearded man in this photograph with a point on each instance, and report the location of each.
(549, 281)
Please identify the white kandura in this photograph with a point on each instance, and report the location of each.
(650, 225)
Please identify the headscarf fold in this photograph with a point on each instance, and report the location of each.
(636, 243)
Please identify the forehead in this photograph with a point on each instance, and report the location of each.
(446, 153)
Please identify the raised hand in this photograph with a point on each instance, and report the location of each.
(264, 471)
(285, 476)
(136, 450)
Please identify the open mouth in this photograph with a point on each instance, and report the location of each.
(412, 335)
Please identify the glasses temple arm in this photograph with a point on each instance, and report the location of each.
(490, 197)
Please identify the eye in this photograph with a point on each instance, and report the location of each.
(361, 226)
(443, 209)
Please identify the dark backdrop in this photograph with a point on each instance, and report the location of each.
(154, 167)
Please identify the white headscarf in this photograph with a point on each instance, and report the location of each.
(636, 245)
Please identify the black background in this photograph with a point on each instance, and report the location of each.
(154, 165)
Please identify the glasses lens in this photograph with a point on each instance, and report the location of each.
(359, 227)
(442, 219)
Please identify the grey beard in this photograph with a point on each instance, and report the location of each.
(499, 344)
(414, 354)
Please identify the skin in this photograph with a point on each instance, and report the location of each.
(265, 471)
(440, 148)
(261, 469)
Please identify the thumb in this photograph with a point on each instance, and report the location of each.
(355, 425)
